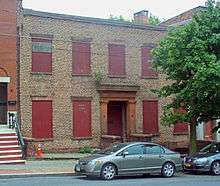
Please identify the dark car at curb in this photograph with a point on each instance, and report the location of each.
(130, 159)
(207, 160)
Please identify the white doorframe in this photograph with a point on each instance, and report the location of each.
(4, 79)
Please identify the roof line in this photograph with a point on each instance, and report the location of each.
(198, 7)
(30, 12)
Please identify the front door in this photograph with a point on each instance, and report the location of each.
(3, 103)
(115, 118)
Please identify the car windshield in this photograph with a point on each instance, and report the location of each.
(211, 148)
(112, 149)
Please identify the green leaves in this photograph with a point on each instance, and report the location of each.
(189, 56)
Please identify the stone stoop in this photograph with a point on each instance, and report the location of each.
(10, 151)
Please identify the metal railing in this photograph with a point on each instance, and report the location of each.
(13, 124)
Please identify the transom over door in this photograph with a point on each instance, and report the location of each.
(3, 103)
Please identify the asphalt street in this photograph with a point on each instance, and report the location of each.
(178, 180)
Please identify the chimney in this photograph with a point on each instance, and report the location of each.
(141, 17)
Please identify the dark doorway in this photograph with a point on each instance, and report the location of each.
(116, 118)
(3, 103)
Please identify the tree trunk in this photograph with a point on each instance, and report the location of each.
(192, 139)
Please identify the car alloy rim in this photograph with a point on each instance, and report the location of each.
(109, 172)
(216, 168)
(168, 169)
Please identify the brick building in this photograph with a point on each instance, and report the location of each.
(184, 17)
(87, 81)
(8, 64)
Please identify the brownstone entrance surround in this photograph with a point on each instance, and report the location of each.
(128, 97)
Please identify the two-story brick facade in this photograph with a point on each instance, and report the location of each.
(87, 81)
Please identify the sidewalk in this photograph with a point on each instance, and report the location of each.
(49, 165)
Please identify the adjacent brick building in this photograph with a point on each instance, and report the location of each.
(184, 17)
(8, 65)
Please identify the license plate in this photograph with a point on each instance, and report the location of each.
(188, 165)
(77, 168)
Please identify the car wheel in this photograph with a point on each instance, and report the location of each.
(168, 170)
(215, 168)
(108, 172)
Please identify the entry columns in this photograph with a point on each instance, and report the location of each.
(103, 116)
(131, 117)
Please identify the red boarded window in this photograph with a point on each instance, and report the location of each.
(180, 127)
(208, 130)
(81, 58)
(150, 117)
(81, 118)
(116, 59)
(147, 70)
(41, 55)
(42, 119)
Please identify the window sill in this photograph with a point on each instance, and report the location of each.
(41, 73)
(111, 137)
(117, 76)
(81, 138)
(180, 133)
(149, 77)
(41, 139)
(144, 135)
(84, 75)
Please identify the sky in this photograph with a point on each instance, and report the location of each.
(163, 9)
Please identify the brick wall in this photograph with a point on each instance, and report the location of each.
(184, 17)
(61, 85)
(8, 47)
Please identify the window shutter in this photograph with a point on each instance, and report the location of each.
(81, 58)
(147, 70)
(180, 127)
(150, 117)
(81, 118)
(42, 119)
(41, 55)
(116, 59)
(208, 130)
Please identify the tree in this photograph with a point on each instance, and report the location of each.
(153, 20)
(118, 18)
(189, 56)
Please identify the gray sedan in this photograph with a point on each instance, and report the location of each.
(128, 159)
(208, 159)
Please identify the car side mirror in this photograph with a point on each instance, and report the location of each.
(125, 153)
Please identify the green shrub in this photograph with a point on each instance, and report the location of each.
(85, 149)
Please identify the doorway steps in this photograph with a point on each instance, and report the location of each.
(10, 150)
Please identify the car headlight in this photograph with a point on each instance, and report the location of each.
(201, 161)
(95, 162)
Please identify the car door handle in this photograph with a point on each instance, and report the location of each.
(161, 156)
(141, 157)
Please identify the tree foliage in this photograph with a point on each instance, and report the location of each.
(189, 56)
(153, 20)
(119, 18)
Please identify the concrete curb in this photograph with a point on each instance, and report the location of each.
(25, 175)
(52, 158)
